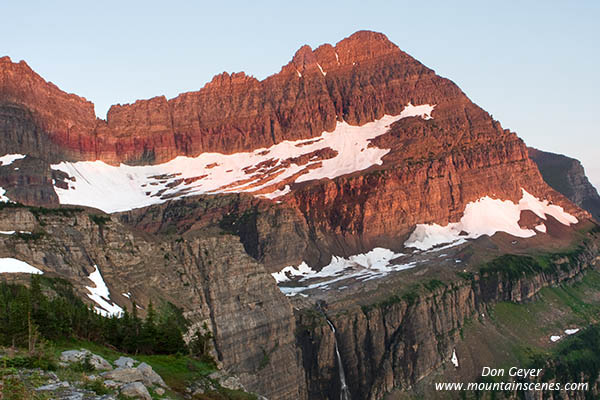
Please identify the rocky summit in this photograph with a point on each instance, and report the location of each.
(353, 226)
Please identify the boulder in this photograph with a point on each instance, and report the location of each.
(150, 377)
(76, 356)
(124, 375)
(53, 386)
(125, 362)
(137, 390)
(232, 383)
(109, 383)
(72, 356)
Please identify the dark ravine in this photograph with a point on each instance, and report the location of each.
(399, 341)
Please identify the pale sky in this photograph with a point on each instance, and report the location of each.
(534, 65)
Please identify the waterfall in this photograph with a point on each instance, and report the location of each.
(344, 392)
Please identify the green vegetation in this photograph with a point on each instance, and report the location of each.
(434, 284)
(65, 211)
(512, 267)
(235, 223)
(98, 219)
(576, 357)
(33, 236)
(467, 276)
(28, 316)
(96, 386)
(46, 318)
(408, 296)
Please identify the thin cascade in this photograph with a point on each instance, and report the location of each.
(344, 392)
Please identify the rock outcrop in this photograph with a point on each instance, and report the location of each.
(567, 176)
(81, 356)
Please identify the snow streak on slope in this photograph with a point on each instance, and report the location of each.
(10, 158)
(101, 296)
(375, 264)
(3, 197)
(264, 172)
(487, 216)
(12, 265)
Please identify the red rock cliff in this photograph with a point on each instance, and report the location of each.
(360, 79)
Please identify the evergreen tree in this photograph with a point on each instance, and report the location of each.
(27, 317)
(170, 339)
(148, 334)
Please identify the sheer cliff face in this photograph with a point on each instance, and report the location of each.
(567, 176)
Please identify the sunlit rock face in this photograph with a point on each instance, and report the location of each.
(357, 142)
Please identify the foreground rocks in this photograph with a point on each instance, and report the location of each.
(22, 382)
(82, 356)
(129, 381)
(136, 390)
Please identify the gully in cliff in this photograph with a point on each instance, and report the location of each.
(344, 391)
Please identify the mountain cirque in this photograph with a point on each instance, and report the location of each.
(348, 148)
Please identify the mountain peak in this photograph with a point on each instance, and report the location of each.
(364, 45)
(225, 79)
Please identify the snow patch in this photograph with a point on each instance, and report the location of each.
(321, 69)
(261, 172)
(543, 208)
(376, 263)
(487, 216)
(10, 158)
(12, 265)
(571, 331)
(541, 228)
(454, 358)
(101, 296)
(284, 275)
(277, 193)
(3, 198)
(555, 338)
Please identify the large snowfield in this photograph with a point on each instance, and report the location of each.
(487, 216)
(264, 172)
(377, 263)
